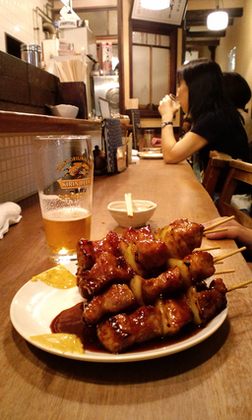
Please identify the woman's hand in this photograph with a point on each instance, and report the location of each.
(155, 141)
(234, 231)
(168, 108)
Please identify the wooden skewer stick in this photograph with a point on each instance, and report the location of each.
(239, 286)
(129, 204)
(214, 231)
(224, 272)
(210, 248)
(221, 257)
(218, 223)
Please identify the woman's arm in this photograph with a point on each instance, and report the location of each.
(173, 151)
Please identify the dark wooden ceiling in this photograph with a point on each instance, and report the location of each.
(198, 35)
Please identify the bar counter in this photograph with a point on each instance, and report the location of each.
(211, 380)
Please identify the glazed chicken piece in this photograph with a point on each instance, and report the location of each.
(89, 251)
(147, 291)
(107, 270)
(131, 234)
(117, 298)
(145, 256)
(151, 254)
(207, 302)
(121, 331)
(181, 237)
(194, 267)
(191, 232)
(176, 313)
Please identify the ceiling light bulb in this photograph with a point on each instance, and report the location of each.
(217, 21)
(155, 4)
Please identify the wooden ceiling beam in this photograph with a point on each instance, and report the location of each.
(199, 18)
(205, 34)
(203, 13)
(196, 44)
(202, 22)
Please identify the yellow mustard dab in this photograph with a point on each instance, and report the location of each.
(60, 341)
(58, 277)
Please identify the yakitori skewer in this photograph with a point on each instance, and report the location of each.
(128, 201)
(221, 257)
(214, 231)
(207, 249)
(231, 270)
(220, 222)
(239, 286)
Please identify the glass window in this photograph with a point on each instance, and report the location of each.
(151, 64)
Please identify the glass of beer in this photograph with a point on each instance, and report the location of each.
(175, 101)
(64, 172)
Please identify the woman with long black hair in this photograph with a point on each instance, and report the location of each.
(217, 124)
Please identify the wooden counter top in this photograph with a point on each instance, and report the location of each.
(211, 380)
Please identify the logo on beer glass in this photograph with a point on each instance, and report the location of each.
(76, 169)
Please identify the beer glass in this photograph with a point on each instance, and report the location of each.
(64, 172)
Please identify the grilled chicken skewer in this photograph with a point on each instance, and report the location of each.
(183, 273)
(175, 240)
(146, 291)
(166, 318)
(194, 267)
(147, 269)
(121, 331)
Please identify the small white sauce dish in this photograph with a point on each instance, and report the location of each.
(142, 212)
(63, 110)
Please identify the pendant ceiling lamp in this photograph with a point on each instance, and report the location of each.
(217, 20)
(155, 4)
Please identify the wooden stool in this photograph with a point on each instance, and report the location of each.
(217, 164)
(239, 171)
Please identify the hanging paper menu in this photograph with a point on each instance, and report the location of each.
(173, 15)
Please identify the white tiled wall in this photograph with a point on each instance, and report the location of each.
(19, 20)
(17, 179)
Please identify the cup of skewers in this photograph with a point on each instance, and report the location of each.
(135, 213)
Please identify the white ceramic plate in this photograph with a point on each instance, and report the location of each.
(151, 155)
(35, 306)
